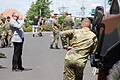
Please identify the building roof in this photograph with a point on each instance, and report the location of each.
(9, 13)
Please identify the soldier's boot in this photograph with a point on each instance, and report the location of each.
(51, 46)
(57, 46)
(33, 35)
(40, 34)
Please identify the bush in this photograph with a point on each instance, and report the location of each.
(61, 20)
(27, 29)
(45, 28)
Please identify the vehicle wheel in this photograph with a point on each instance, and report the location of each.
(114, 72)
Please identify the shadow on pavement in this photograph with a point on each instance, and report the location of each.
(2, 67)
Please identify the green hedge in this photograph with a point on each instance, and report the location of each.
(29, 28)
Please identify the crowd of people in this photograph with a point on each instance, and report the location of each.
(79, 42)
(56, 27)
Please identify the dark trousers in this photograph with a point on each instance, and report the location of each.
(17, 59)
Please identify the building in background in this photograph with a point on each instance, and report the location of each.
(9, 13)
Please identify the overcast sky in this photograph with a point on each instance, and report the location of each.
(72, 6)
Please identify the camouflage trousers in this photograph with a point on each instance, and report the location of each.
(55, 39)
(3, 35)
(2, 39)
(73, 69)
(8, 37)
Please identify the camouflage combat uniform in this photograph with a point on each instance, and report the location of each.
(82, 43)
(8, 32)
(55, 38)
(2, 33)
(40, 26)
(67, 25)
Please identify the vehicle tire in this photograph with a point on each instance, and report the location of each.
(114, 72)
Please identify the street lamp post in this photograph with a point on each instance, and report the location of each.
(82, 11)
(105, 5)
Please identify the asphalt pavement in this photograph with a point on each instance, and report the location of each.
(46, 64)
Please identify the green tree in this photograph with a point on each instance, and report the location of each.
(61, 19)
(39, 8)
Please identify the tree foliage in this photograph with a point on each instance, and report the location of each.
(39, 8)
(61, 19)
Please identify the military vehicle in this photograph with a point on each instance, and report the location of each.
(107, 56)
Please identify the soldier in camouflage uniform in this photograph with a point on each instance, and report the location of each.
(68, 22)
(8, 32)
(40, 26)
(55, 38)
(67, 25)
(2, 31)
(82, 42)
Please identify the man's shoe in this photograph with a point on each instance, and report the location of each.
(21, 68)
(33, 35)
(16, 70)
(24, 69)
(40, 34)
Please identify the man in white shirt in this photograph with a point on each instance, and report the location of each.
(17, 39)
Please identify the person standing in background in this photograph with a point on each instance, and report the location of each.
(67, 25)
(35, 26)
(55, 30)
